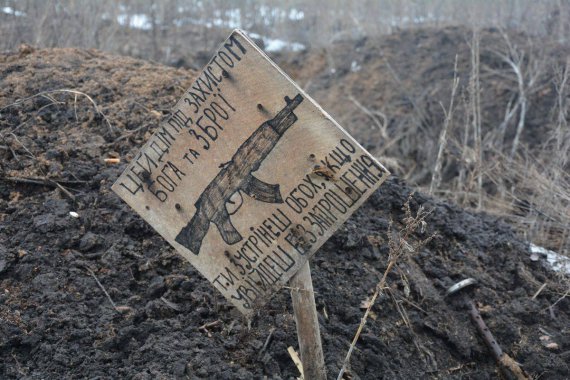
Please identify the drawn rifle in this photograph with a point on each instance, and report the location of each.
(236, 176)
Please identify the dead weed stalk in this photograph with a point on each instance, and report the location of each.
(400, 243)
(443, 137)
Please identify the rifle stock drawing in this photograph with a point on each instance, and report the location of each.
(237, 176)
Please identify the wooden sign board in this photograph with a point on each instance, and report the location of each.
(248, 177)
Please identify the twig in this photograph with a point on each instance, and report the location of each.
(18, 365)
(516, 59)
(268, 340)
(42, 182)
(404, 314)
(296, 360)
(170, 304)
(29, 181)
(75, 107)
(436, 176)
(539, 291)
(475, 97)
(398, 247)
(48, 94)
(462, 198)
(381, 125)
(379, 288)
(509, 114)
(130, 133)
(415, 306)
(9, 147)
(102, 288)
(205, 327)
(297, 289)
(422, 118)
(208, 325)
(509, 367)
(22, 144)
(65, 191)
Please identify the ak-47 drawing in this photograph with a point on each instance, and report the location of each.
(237, 176)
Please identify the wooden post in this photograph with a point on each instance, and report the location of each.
(307, 321)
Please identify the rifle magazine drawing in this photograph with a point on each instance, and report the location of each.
(236, 176)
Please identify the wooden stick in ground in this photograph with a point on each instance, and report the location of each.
(510, 368)
(307, 321)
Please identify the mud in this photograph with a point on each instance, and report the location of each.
(170, 323)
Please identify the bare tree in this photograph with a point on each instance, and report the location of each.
(527, 71)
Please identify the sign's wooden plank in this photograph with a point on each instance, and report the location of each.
(248, 177)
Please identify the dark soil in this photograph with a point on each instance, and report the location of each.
(57, 323)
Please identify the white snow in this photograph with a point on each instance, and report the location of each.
(557, 261)
(355, 67)
(135, 21)
(274, 44)
(268, 14)
(12, 11)
(296, 15)
(231, 18)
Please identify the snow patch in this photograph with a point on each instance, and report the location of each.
(229, 18)
(355, 67)
(12, 11)
(135, 21)
(557, 261)
(268, 14)
(274, 44)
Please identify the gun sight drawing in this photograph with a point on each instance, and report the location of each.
(237, 176)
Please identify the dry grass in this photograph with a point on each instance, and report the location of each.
(525, 182)
(400, 244)
(49, 96)
(538, 201)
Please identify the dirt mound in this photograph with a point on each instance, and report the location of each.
(63, 111)
(405, 80)
(393, 93)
